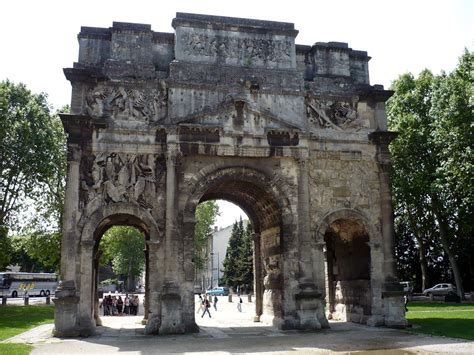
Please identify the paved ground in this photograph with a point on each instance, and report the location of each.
(229, 331)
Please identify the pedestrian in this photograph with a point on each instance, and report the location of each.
(201, 304)
(136, 304)
(114, 306)
(215, 302)
(239, 304)
(120, 306)
(126, 305)
(207, 305)
(108, 305)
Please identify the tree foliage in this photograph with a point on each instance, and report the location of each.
(206, 214)
(238, 262)
(37, 252)
(432, 180)
(31, 156)
(123, 247)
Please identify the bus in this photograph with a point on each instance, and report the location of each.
(20, 284)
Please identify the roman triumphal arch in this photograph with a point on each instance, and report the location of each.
(229, 108)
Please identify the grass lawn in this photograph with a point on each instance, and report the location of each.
(18, 319)
(454, 320)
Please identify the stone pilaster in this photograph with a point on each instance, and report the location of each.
(257, 278)
(382, 140)
(71, 202)
(171, 196)
(66, 300)
(154, 289)
(309, 298)
(86, 321)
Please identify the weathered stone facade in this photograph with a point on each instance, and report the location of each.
(232, 109)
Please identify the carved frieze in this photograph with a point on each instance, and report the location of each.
(332, 113)
(127, 103)
(231, 47)
(118, 177)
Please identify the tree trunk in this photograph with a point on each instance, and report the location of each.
(443, 236)
(425, 281)
(130, 285)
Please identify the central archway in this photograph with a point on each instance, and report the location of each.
(265, 203)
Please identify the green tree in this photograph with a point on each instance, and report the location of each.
(37, 251)
(123, 247)
(29, 154)
(238, 262)
(246, 259)
(206, 214)
(231, 276)
(432, 162)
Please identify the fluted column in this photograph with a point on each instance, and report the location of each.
(170, 234)
(71, 201)
(382, 141)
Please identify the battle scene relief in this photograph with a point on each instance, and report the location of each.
(118, 177)
(124, 103)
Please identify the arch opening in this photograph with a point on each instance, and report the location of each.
(348, 270)
(265, 213)
(125, 236)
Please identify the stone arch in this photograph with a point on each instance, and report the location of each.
(120, 213)
(93, 228)
(344, 213)
(348, 238)
(265, 199)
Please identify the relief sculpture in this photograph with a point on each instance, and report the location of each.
(332, 114)
(243, 48)
(125, 103)
(118, 177)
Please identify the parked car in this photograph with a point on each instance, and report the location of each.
(439, 290)
(407, 286)
(218, 291)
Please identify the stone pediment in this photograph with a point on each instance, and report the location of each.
(238, 114)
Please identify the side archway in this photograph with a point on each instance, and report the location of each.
(93, 228)
(347, 236)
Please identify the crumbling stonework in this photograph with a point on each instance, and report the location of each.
(228, 108)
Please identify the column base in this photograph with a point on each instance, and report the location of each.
(153, 325)
(65, 311)
(310, 314)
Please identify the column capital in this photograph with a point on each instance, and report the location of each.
(74, 152)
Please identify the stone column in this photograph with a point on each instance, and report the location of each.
(154, 288)
(86, 319)
(392, 293)
(170, 233)
(171, 302)
(71, 201)
(65, 299)
(257, 272)
(304, 237)
(98, 321)
(309, 299)
(382, 140)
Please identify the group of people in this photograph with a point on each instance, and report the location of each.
(205, 304)
(116, 306)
